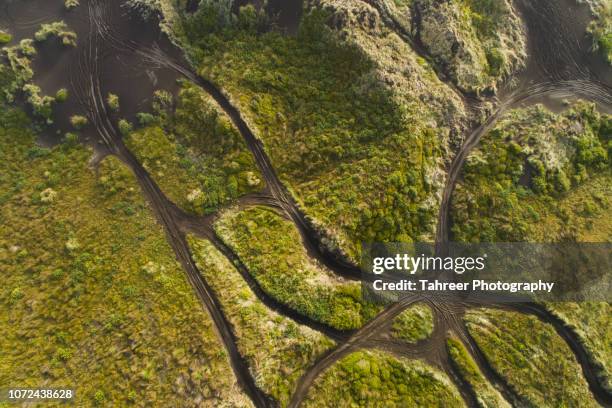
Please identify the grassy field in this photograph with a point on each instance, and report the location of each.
(376, 379)
(337, 135)
(194, 153)
(413, 324)
(276, 348)
(531, 357)
(92, 297)
(486, 395)
(271, 248)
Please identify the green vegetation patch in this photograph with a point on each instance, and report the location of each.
(92, 296)
(486, 395)
(592, 323)
(376, 379)
(57, 29)
(71, 4)
(338, 133)
(5, 37)
(272, 250)
(544, 177)
(534, 360)
(538, 176)
(16, 70)
(413, 324)
(194, 153)
(601, 30)
(277, 349)
(479, 42)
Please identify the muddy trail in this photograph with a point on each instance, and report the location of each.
(106, 32)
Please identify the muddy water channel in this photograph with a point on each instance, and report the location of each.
(119, 70)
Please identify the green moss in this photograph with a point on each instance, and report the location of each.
(538, 176)
(486, 395)
(92, 296)
(337, 136)
(531, 357)
(57, 29)
(479, 42)
(5, 37)
(601, 30)
(195, 154)
(376, 379)
(272, 250)
(413, 324)
(591, 322)
(277, 349)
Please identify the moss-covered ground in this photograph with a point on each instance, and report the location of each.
(413, 324)
(277, 349)
(194, 153)
(601, 29)
(92, 297)
(544, 177)
(272, 250)
(538, 176)
(534, 360)
(362, 158)
(591, 321)
(479, 42)
(376, 379)
(486, 395)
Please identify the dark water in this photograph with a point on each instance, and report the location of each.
(120, 69)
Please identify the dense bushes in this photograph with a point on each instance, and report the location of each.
(57, 29)
(272, 250)
(486, 395)
(531, 356)
(277, 349)
(376, 379)
(193, 152)
(478, 42)
(537, 169)
(591, 322)
(601, 31)
(361, 160)
(5, 37)
(413, 324)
